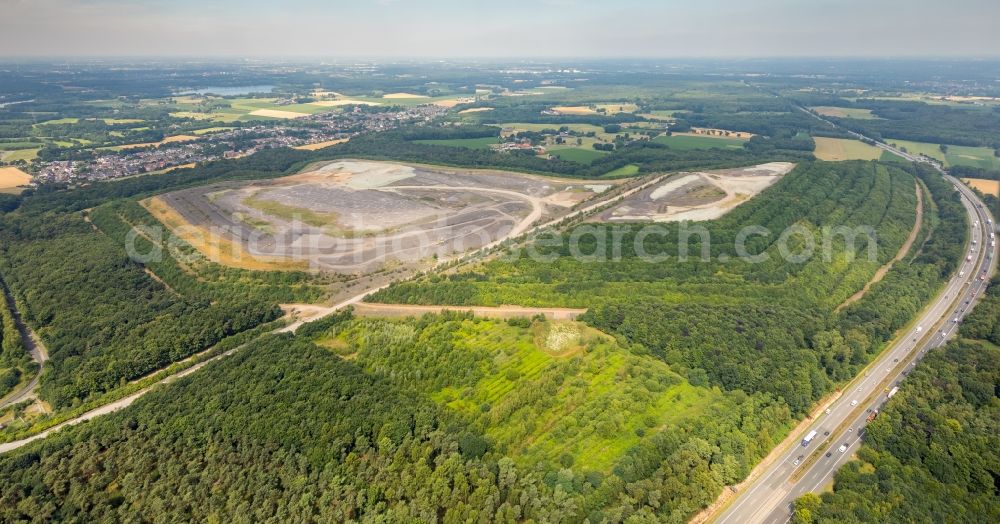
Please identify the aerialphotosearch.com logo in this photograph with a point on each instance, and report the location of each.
(684, 242)
(440, 243)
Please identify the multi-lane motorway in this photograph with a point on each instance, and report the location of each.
(810, 467)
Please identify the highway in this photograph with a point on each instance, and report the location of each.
(809, 468)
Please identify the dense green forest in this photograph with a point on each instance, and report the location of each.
(498, 425)
(15, 363)
(759, 327)
(932, 454)
(104, 320)
(283, 430)
(570, 403)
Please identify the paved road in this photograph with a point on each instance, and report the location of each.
(801, 469)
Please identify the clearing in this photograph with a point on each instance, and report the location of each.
(838, 149)
(703, 195)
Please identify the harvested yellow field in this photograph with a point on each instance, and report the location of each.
(174, 168)
(618, 108)
(837, 149)
(11, 178)
(574, 110)
(984, 186)
(168, 140)
(321, 145)
(276, 113)
(403, 95)
(452, 102)
(214, 246)
(475, 110)
(343, 102)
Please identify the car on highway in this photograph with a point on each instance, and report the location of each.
(829, 454)
(843, 448)
(854, 402)
(797, 461)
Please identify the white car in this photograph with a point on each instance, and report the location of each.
(854, 402)
(843, 448)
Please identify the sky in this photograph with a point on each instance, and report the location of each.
(500, 28)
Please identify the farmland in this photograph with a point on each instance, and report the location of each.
(167, 140)
(685, 142)
(980, 157)
(845, 112)
(11, 178)
(987, 187)
(471, 143)
(575, 154)
(839, 149)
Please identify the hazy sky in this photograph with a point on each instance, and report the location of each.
(511, 28)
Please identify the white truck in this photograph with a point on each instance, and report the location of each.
(809, 437)
(892, 392)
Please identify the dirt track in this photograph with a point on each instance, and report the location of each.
(882, 271)
(368, 309)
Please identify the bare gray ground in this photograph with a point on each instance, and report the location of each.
(705, 195)
(356, 217)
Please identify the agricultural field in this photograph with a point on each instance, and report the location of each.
(471, 143)
(577, 154)
(987, 187)
(26, 155)
(844, 112)
(608, 108)
(696, 196)
(321, 145)
(355, 217)
(840, 149)
(11, 178)
(981, 157)
(690, 141)
(167, 140)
